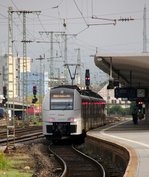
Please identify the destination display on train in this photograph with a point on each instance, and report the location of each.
(61, 96)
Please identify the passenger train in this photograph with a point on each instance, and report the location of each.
(69, 112)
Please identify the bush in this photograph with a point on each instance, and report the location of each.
(3, 161)
(118, 110)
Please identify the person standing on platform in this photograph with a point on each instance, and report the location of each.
(135, 116)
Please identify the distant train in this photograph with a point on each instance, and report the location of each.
(71, 112)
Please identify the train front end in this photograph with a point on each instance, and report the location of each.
(61, 113)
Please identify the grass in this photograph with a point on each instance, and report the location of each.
(13, 165)
(14, 173)
(4, 163)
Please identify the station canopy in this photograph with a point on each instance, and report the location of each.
(130, 70)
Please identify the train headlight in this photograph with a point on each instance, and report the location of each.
(51, 119)
(71, 119)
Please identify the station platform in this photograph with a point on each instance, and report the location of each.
(134, 136)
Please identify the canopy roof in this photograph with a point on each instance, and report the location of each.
(131, 70)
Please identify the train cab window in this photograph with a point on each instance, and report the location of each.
(61, 101)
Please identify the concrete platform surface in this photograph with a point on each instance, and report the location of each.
(135, 136)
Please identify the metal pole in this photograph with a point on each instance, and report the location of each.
(51, 61)
(24, 83)
(144, 32)
(65, 58)
(51, 66)
(41, 81)
(11, 78)
(79, 67)
(25, 76)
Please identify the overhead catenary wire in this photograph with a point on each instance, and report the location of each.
(80, 12)
(59, 19)
(58, 5)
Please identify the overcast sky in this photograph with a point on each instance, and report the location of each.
(75, 17)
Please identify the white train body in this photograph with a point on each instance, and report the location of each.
(69, 113)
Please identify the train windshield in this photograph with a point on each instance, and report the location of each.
(61, 101)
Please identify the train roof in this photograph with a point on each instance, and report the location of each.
(68, 86)
(90, 93)
(87, 92)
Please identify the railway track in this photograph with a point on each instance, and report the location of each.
(22, 135)
(21, 131)
(77, 164)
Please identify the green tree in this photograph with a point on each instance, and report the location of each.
(118, 110)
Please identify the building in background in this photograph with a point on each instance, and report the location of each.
(14, 76)
(3, 72)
